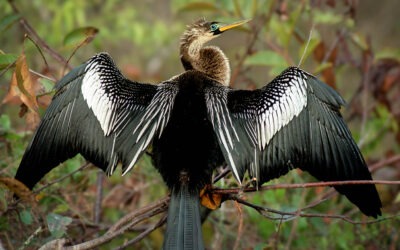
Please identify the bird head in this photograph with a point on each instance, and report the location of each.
(203, 31)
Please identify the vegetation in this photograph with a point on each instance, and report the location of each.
(352, 47)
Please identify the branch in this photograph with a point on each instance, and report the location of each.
(62, 178)
(384, 162)
(32, 33)
(132, 219)
(255, 32)
(132, 216)
(123, 225)
(301, 185)
(145, 233)
(285, 216)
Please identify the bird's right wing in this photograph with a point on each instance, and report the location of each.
(292, 122)
(100, 114)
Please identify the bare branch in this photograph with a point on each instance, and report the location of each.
(62, 177)
(145, 233)
(302, 185)
(384, 162)
(99, 197)
(133, 215)
(125, 224)
(32, 33)
(286, 216)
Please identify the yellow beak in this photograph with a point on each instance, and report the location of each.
(233, 25)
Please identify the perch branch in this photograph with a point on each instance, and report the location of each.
(301, 185)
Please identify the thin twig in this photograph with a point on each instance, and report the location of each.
(43, 57)
(33, 34)
(146, 213)
(240, 227)
(99, 196)
(226, 170)
(306, 47)
(144, 234)
(42, 76)
(255, 32)
(62, 178)
(384, 163)
(129, 217)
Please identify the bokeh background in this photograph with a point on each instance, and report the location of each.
(351, 45)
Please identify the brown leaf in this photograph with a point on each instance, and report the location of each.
(22, 86)
(19, 189)
(328, 73)
(22, 91)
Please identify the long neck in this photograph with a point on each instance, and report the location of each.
(210, 60)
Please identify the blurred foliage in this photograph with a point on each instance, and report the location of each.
(341, 41)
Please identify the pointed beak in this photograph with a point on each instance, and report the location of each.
(233, 25)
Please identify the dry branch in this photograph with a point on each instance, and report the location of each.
(37, 39)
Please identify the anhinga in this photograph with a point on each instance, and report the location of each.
(194, 122)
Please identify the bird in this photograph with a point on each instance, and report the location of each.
(195, 122)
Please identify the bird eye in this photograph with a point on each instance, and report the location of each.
(214, 27)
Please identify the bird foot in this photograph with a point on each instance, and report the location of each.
(209, 199)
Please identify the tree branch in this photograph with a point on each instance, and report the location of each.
(286, 216)
(35, 37)
(62, 177)
(301, 185)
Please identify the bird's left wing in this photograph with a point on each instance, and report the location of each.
(292, 122)
(100, 114)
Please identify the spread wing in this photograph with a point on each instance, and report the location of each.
(292, 122)
(100, 114)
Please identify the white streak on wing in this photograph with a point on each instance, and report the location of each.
(290, 104)
(96, 98)
(65, 115)
(153, 120)
(134, 159)
(222, 123)
(112, 156)
(149, 137)
(70, 114)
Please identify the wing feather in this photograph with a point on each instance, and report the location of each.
(97, 112)
(294, 121)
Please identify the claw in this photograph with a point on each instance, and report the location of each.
(209, 199)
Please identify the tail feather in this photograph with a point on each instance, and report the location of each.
(183, 222)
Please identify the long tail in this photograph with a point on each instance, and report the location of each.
(183, 222)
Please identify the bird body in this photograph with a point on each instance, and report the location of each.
(195, 122)
(188, 142)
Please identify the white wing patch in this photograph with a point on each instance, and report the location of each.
(292, 101)
(222, 122)
(102, 103)
(258, 121)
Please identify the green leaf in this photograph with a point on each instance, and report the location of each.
(57, 224)
(26, 217)
(8, 20)
(80, 35)
(326, 17)
(7, 59)
(5, 123)
(275, 61)
(359, 40)
(322, 67)
(266, 58)
(47, 84)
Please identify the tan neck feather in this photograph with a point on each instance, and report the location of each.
(210, 60)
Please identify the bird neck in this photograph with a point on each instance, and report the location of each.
(209, 60)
